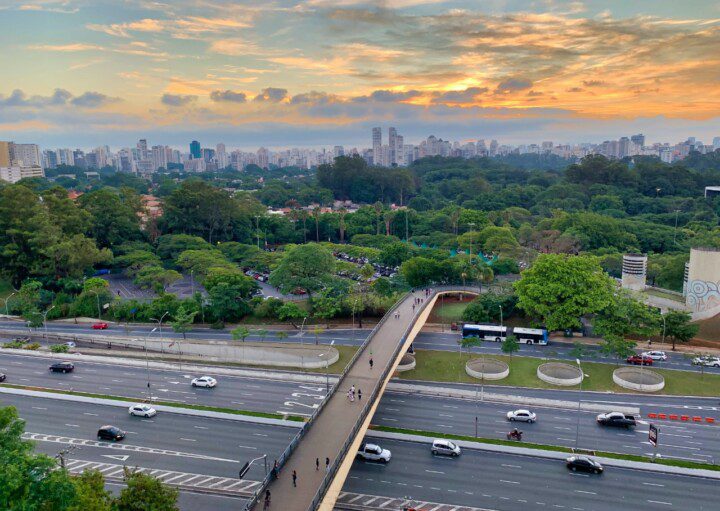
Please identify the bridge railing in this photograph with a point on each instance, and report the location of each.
(306, 427)
(330, 476)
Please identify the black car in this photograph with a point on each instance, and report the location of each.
(2, 377)
(62, 367)
(110, 433)
(584, 464)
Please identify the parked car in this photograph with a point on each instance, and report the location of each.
(69, 344)
(141, 410)
(445, 447)
(373, 452)
(707, 361)
(62, 367)
(583, 464)
(521, 416)
(22, 339)
(616, 419)
(3, 377)
(111, 433)
(639, 360)
(100, 325)
(655, 355)
(204, 381)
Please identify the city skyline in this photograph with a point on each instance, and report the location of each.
(304, 74)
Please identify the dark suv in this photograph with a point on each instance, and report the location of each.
(110, 433)
(62, 367)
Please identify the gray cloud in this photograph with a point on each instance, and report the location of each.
(513, 85)
(593, 83)
(177, 99)
(271, 95)
(228, 95)
(92, 100)
(387, 96)
(575, 89)
(18, 98)
(314, 97)
(468, 95)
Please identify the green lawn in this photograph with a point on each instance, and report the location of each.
(661, 294)
(449, 312)
(443, 366)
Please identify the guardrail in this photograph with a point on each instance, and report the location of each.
(306, 427)
(76, 339)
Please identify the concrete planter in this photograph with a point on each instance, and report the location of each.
(556, 373)
(635, 378)
(487, 369)
(407, 363)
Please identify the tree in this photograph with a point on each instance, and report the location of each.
(626, 317)
(90, 492)
(559, 289)
(227, 303)
(307, 266)
(72, 256)
(420, 271)
(135, 260)
(614, 345)
(114, 216)
(579, 351)
(156, 277)
(281, 335)
(261, 332)
(317, 331)
(240, 332)
(394, 254)
(290, 311)
(183, 320)
(325, 306)
(170, 246)
(233, 277)
(678, 327)
(144, 492)
(510, 345)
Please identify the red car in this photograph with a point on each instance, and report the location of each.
(638, 360)
(100, 326)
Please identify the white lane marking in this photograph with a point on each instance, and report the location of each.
(660, 502)
(509, 482)
(654, 484)
(434, 471)
(90, 414)
(188, 439)
(39, 408)
(511, 466)
(200, 427)
(587, 492)
(72, 425)
(247, 447)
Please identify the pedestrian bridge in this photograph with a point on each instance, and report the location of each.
(337, 427)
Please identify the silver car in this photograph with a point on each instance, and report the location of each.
(521, 416)
(445, 447)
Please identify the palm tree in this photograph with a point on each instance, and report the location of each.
(455, 218)
(342, 212)
(378, 212)
(389, 216)
(316, 215)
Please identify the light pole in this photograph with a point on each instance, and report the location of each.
(327, 363)
(7, 301)
(147, 363)
(45, 320)
(677, 212)
(501, 319)
(192, 283)
(160, 325)
(97, 296)
(577, 429)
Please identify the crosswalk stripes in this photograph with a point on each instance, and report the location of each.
(183, 479)
(362, 502)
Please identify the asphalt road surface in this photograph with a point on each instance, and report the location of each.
(212, 456)
(555, 426)
(444, 341)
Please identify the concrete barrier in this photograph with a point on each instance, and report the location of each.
(635, 378)
(487, 369)
(556, 373)
(407, 363)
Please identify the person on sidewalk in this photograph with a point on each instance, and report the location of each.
(327, 464)
(371, 363)
(359, 395)
(294, 479)
(317, 463)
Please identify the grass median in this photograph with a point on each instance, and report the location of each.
(172, 404)
(447, 366)
(545, 447)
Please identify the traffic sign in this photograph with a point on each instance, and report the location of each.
(653, 435)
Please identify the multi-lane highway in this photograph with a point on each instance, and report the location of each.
(204, 454)
(555, 426)
(445, 341)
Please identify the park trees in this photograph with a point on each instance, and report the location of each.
(114, 217)
(309, 267)
(559, 289)
(183, 320)
(678, 327)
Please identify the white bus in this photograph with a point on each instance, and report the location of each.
(486, 332)
(531, 335)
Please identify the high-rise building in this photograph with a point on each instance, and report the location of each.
(376, 145)
(221, 156)
(392, 145)
(15, 173)
(716, 143)
(623, 147)
(638, 140)
(195, 150)
(207, 154)
(338, 151)
(159, 157)
(262, 158)
(142, 149)
(5, 154)
(399, 153)
(25, 155)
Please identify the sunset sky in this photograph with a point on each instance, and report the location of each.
(321, 72)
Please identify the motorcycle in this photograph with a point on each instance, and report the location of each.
(515, 435)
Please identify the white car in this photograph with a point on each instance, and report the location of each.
(446, 447)
(521, 416)
(655, 355)
(141, 410)
(707, 361)
(204, 381)
(373, 452)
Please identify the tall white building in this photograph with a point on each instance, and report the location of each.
(377, 145)
(16, 172)
(159, 157)
(392, 145)
(142, 149)
(25, 155)
(221, 156)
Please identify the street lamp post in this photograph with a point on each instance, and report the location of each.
(577, 429)
(663, 336)
(7, 301)
(192, 283)
(147, 363)
(501, 318)
(97, 296)
(45, 320)
(327, 363)
(159, 321)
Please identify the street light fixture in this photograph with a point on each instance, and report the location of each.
(45, 320)
(7, 301)
(97, 296)
(159, 321)
(577, 429)
(327, 363)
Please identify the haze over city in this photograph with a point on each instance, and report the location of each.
(299, 74)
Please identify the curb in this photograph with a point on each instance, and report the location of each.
(553, 455)
(160, 408)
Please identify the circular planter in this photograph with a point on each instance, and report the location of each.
(487, 369)
(556, 373)
(635, 378)
(407, 363)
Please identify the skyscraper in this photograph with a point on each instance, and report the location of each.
(638, 139)
(221, 156)
(392, 143)
(5, 154)
(377, 145)
(142, 149)
(195, 150)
